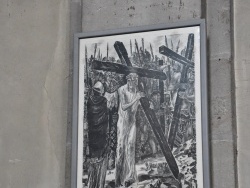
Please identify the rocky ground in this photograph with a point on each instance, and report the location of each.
(155, 173)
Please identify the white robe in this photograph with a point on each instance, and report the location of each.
(126, 138)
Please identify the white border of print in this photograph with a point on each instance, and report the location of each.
(196, 27)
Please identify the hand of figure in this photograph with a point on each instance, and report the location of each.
(161, 112)
(183, 86)
(142, 94)
(115, 118)
(151, 105)
(138, 96)
(182, 94)
(163, 105)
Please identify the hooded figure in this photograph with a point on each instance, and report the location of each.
(97, 116)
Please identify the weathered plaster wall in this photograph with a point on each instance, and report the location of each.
(34, 61)
(118, 14)
(242, 79)
(36, 80)
(221, 98)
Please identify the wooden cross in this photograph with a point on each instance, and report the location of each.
(150, 114)
(187, 63)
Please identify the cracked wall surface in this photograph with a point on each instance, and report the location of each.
(34, 92)
(36, 80)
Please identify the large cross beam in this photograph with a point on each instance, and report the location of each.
(161, 90)
(123, 69)
(173, 55)
(122, 53)
(150, 114)
(186, 61)
(159, 134)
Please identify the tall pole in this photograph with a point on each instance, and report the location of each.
(138, 52)
(131, 48)
(142, 41)
(107, 51)
(166, 43)
(86, 64)
(151, 49)
(172, 48)
(95, 50)
(99, 55)
(178, 46)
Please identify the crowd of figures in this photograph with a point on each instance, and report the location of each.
(116, 130)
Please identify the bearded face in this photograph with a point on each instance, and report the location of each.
(132, 83)
(176, 67)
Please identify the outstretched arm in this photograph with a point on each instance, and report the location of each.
(190, 98)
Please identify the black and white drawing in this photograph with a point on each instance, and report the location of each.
(139, 110)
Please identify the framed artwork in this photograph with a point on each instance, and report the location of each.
(140, 108)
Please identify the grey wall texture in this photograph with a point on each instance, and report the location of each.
(36, 81)
(242, 87)
(34, 52)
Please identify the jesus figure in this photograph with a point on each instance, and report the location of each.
(129, 96)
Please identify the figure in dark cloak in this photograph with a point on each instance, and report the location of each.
(97, 116)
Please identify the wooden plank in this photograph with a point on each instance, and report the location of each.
(123, 69)
(173, 55)
(159, 134)
(178, 103)
(122, 53)
(161, 89)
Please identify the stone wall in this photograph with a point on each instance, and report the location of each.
(34, 74)
(242, 78)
